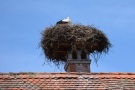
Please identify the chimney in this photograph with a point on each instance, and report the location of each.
(78, 61)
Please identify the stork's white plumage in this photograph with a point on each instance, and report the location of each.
(64, 21)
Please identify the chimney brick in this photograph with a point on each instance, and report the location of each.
(77, 66)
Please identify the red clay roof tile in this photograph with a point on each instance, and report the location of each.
(74, 80)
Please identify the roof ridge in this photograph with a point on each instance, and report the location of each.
(77, 73)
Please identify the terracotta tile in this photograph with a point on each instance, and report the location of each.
(75, 80)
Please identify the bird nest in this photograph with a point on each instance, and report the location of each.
(58, 40)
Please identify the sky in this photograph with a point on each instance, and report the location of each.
(22, 21)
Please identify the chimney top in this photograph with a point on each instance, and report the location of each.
(77, 61)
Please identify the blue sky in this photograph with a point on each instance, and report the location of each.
(21, 22)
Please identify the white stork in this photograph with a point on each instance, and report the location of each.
(65, 21)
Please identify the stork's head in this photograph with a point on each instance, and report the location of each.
(69, 23)
(68, 18)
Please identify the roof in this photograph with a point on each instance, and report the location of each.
(74, 80)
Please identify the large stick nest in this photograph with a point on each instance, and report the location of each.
(57, 40)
